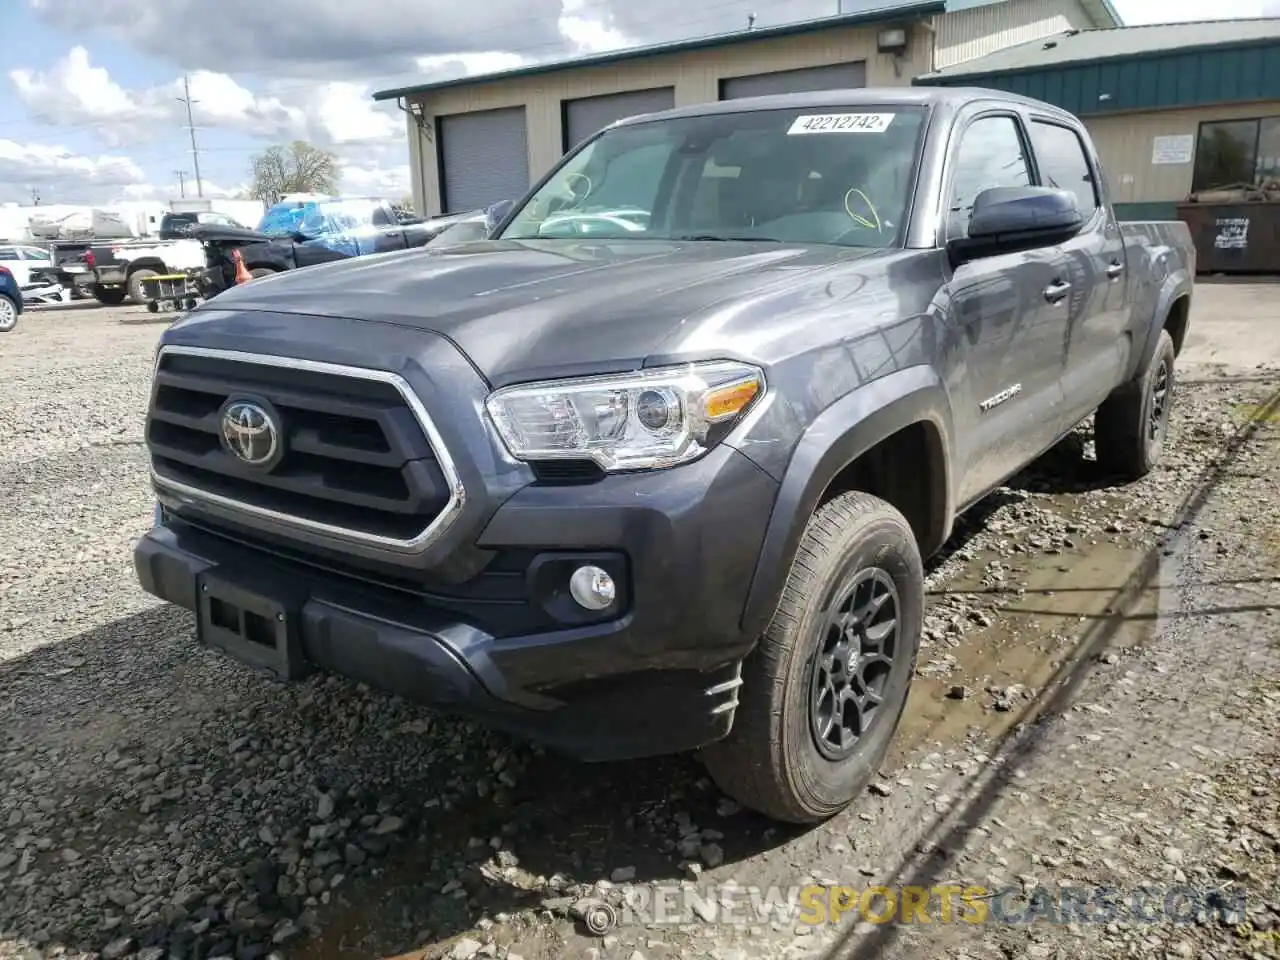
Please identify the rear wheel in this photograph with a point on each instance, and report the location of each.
(257, 272)
(824, 690)
(1129, 428)
(8, 313)
(137, 292)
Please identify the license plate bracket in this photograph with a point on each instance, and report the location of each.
(255, 629)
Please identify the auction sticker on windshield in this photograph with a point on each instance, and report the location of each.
(842, 123)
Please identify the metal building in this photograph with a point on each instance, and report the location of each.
(1173, 108)
(480, 139)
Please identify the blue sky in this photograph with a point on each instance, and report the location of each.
(90, 114)
(224, 152)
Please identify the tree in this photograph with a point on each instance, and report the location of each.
(298, 167)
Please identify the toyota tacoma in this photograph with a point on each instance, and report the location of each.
(654, 466)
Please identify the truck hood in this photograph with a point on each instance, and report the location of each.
(217, 233)
(525, 309)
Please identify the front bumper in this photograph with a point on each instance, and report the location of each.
(658, 676)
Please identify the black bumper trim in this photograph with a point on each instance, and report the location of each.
(623, 716)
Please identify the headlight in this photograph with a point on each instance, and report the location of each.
(634, 421)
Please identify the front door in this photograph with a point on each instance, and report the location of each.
(1011, 311)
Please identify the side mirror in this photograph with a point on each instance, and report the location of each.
(1011, 219)
(495, 213)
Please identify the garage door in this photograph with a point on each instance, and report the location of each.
(484, 158)
(840, 76)
(584, 117)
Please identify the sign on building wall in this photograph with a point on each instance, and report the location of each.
(1172, 149)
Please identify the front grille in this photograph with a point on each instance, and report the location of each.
(355, 455)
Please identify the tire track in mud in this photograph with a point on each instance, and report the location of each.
(930, 857)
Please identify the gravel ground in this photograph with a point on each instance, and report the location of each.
(1097, 704)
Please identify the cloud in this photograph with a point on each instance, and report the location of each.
(59, 172)
(311, 37)
(374, 180)
(151, 191)
(74, 92)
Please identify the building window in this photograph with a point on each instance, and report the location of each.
(1229, 152)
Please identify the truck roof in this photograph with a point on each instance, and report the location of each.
(953, 97)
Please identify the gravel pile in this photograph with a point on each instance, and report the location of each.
(159, 801)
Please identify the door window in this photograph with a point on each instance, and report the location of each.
(990, 154)
(8, 253)
(1063, 163)
(35, 253)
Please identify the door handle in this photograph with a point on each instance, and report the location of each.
(1056, 290)
(1114, 269)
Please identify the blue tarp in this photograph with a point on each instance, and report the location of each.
(343, 225)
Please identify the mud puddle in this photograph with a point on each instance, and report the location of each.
(981, 685)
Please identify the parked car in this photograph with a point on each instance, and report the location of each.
(633, 492)
(21, 258)
(303, 233)
(121, 269)
(11, 302)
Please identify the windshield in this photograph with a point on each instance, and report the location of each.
(319, 218)
(781, 175)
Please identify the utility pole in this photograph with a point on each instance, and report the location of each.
(191, 128)
(182, 182)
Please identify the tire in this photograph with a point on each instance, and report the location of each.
(257, 272)
(153, 306)
(134, 284)
(771, 760)
(109, 298)
(1131, 425)
(8, 314)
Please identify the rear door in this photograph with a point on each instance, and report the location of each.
(1009, 313)
(1096, 348)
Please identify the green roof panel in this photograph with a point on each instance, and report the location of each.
(1135, 68)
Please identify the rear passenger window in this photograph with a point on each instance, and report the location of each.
(1063, 163)
(990, 155)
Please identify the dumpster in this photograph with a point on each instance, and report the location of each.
(1239, 237)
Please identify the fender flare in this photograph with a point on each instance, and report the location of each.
(1176, 285)
(145, 263)
(837, 437)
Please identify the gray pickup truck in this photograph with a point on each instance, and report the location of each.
(653, 468)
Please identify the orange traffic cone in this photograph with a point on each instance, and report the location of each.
(242, 272)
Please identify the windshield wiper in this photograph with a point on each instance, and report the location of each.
(724, 236)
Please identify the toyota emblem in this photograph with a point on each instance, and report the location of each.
(251, 433)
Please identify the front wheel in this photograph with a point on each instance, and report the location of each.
(824, 689)
(8, 313)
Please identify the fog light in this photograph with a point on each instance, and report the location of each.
(592, 588)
